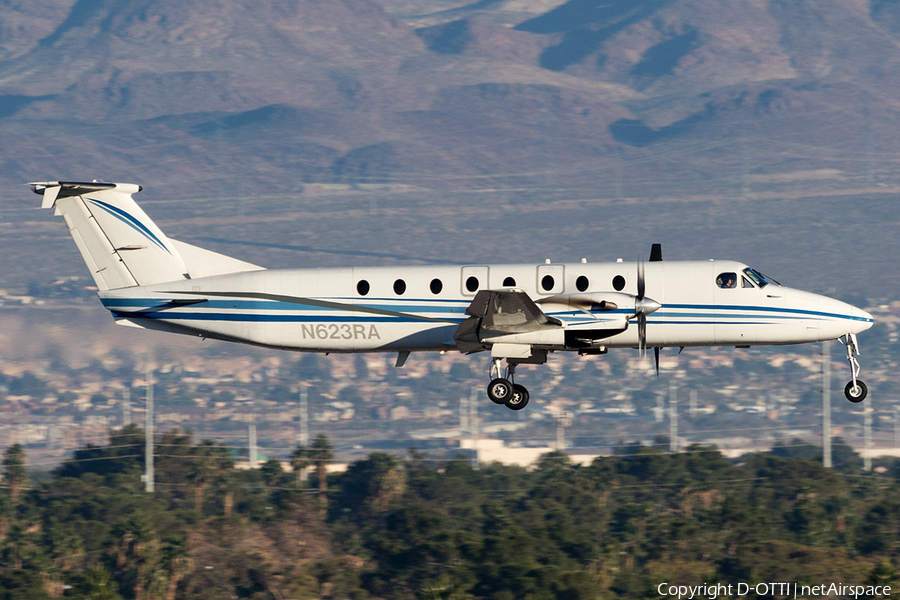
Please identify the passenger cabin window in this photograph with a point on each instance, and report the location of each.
(727, 280)
(472, 283)
(399, 287)
(509, 282)
(436, 286)
(547, 282)
(582, 283)
(362, 288)
(618, 283)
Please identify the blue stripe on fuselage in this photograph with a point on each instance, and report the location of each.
(270, 318)
(668, 314)
(772, 309)
(149, 303)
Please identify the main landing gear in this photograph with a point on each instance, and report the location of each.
(504, 390)
(855, 390)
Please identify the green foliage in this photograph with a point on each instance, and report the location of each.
(14, 471)
(370, 486)
(415, 528)
(321, 455)
(123, 455)
(97, 584)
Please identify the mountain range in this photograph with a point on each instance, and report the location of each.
(344, 90)
(606, 101)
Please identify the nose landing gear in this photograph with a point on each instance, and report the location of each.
(855, 390)
(504, 390)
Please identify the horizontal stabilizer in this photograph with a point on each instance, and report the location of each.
(51, 190)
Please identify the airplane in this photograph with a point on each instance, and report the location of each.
(519, 313)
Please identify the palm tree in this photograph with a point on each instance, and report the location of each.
(14, 471)
(138, 550)
(210, 465)
(321, 456)
(177, 560)
(98, 585)
(299, 462)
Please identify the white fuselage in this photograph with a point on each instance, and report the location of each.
(401, 308)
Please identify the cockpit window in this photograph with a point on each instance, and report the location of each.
(745, 283)
(726, 280)
(759, 279)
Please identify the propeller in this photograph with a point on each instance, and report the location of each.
(644, 306)
(638, 308)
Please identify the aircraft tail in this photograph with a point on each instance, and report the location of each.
(118, 241)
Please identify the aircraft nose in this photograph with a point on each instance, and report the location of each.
(851, 318)
(862, 319)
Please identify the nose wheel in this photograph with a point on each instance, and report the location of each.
(855, 390)
(504, 390)
(856, 393)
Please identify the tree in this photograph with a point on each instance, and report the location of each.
(14, 471)
(124, 454)
(97, 585)
(177, 561)
(299, 462)
(272, 473)
(209, 464)
(369, 486)
(844, 457)
(138, 556)
(882, 574)
(321, 456)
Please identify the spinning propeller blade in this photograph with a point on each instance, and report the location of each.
(642, 317)
(642, 333)
(640, 279)
(643, 306)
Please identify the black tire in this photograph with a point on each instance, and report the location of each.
(519, 398)
(858, 394)
(499, 391)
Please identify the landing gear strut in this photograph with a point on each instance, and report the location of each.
(855, 390)
(504, 390)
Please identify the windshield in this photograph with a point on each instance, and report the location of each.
(758, 278)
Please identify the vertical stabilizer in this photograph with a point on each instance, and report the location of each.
(118, 241)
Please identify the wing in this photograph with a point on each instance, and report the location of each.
(508, 316)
